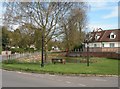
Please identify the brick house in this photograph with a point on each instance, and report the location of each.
(104, 41)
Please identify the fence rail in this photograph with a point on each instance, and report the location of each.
(20, 55)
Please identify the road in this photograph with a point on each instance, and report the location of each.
(19, 79)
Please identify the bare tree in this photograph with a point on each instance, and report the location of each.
(44, 16)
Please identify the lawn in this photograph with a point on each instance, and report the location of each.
(103, 66)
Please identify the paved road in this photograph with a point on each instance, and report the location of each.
(18, 79)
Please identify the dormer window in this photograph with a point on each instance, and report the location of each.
(112, 35)
(97, 37)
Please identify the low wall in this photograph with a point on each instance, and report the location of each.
(95, 54)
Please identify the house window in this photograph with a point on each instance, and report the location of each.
(97, 37)
(112, 35)
(95, 45)
(112, 45)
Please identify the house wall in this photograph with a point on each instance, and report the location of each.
(118, 44)
(91, 45)
(98, 44)
(106, 47)
(106, 44)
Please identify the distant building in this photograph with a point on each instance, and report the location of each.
(33, 46)
(6, 53)
(55, 49)
(104, 41)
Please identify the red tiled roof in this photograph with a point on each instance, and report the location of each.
(105, 36)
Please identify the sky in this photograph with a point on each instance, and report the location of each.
(102, 14)
(0, 12)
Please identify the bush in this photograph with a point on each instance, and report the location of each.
(21, 50)
(18, 50)
(12, 61)
(29, 50)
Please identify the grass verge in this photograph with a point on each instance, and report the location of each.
(103, 66)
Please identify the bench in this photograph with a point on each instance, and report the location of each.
(58, 60)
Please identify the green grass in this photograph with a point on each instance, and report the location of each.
(103, 66)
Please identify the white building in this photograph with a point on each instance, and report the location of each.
(105, 41)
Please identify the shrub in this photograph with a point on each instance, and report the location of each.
(18, 50)
(12, 61)
(29, 50)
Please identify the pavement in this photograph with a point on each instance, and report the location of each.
(22, 79)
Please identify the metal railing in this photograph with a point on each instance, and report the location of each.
(20, 55)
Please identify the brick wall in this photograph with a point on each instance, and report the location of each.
(96, 54)
(110, 49)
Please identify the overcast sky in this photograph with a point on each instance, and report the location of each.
(102, 14)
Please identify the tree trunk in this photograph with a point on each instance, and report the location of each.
(46, 49)
(46, 56)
